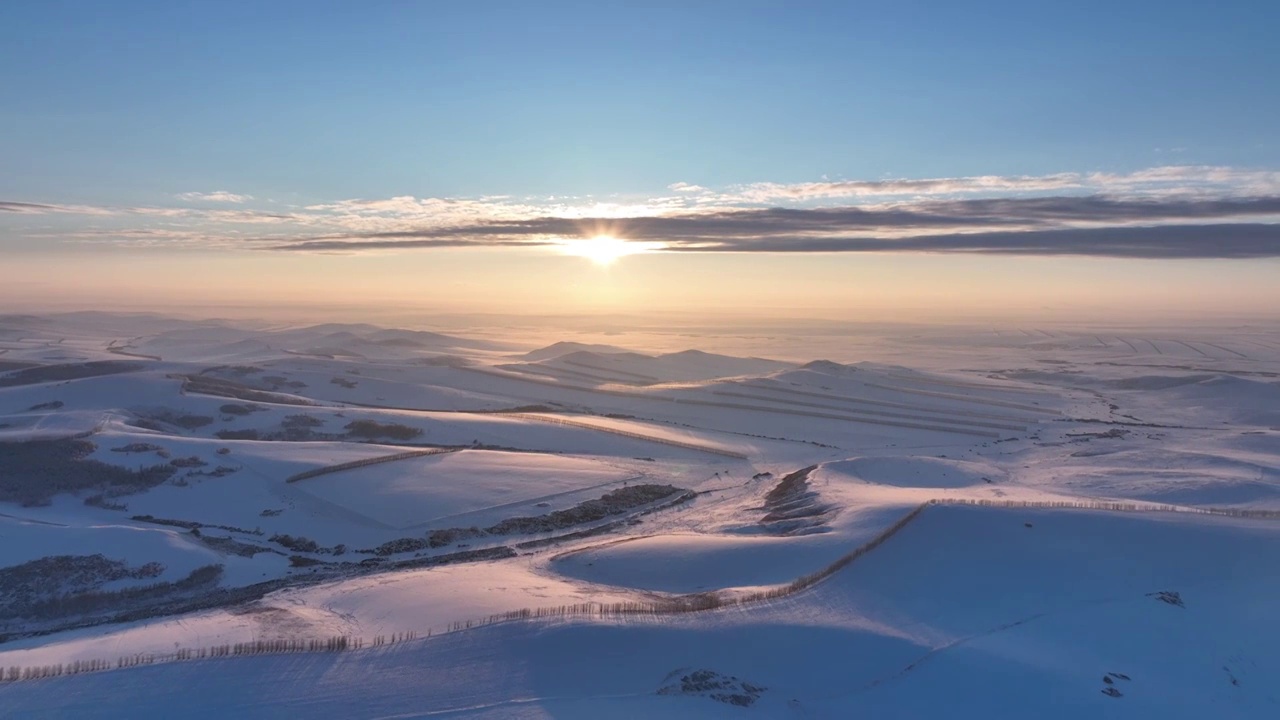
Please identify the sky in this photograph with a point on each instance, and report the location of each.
(836, 159)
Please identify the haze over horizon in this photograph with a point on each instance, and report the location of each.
(909, 162)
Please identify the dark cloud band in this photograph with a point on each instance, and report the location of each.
(1090, 225)
(1225, 241)
(1166, 242)
(24, 207)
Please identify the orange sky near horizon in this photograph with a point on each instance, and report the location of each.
(897, 286)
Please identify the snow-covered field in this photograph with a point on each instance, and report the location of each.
(1099, 539)
(425, 490)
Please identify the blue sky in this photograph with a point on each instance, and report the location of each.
(119, 102)
(914, 146)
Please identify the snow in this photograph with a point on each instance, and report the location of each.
(916, 472)
(457, 487)
(26, 541)
(922, 628)
(690, 563)
(992, 611)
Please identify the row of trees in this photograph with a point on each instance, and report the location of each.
(1109, 506)
(317, 472)
(336, 643)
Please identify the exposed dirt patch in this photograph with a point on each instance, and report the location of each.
(713, 685)
(793, 508)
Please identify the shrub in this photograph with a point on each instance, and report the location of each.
(137, 448)
(54, 405)
(402, 545)
(188, 462)
(68, 584)
(249, 434)
(34, 471)
(206, 385)
(373, 429)
(612, 503)
(101, 501)
(297, 544)
(158, 419)
(73, 371)
(279, 381)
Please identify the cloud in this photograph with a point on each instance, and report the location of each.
(342, 244)
(223, 216)
(155, 238)
(922, 226)
(834, 215)
(221, 196)
(766, 192)
(26, 208)
(1166, 242)
(1166, 179)
(1162, 242)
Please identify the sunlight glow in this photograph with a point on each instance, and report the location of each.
(603, 249)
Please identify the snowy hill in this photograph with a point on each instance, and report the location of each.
(968, 524)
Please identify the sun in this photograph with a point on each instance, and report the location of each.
(602, 249)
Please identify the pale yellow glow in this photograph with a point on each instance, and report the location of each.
(603, 250)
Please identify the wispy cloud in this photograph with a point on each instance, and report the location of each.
(1112, 214)
(1185, 179)
(217, 196)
